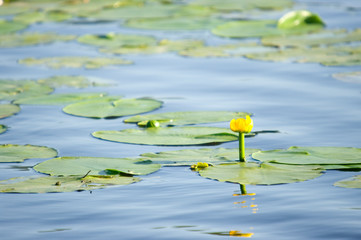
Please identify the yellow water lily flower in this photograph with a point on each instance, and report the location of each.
(242, 125)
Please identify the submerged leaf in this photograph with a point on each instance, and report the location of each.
(38, 184)
(66, 166)
(354, 182)
(7, 110)
(311, 155)
(260, 174)
(59, 99)
(184, 118)
(172, 136)
(108, 107)
(189, 157)
(19, 153)
(75, 62)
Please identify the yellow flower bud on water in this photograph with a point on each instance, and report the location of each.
(242, 125)
(200, 165)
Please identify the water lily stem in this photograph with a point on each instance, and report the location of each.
(242, 156)
(243, 189)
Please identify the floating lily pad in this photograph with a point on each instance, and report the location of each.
(171, 136)
(10, 27)
(26, 39)
(311, 155)
(189, 157)
(183, 118)
(75, 62)
(16, 89)
(257, 28)
(260, 174)
(300, 19)
(352, 77)
(3, 128)
(321, 38)
(72, 81)
(38, 184)
(19, 153)
(7, 110)
(109, 107)
(112, 40)
(56, 99)
(66, 166)
(328, 56)
(42, 16)
(354, 182)
(175, 23)
(243, 5)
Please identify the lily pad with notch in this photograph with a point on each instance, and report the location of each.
(19, 153)
(110, 107)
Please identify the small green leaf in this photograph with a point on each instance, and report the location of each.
(7, 110)
(19, 153)
(66, 166)
(354, 182)
(300, 19)
(171, 136)
(109, 107)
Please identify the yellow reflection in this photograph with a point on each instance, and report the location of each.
(235, 233)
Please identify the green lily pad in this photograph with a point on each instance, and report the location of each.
(321, 38)
(328, 56)
(7, 110)
(175, 23)
(351, 77)
(112, 40)
(311, 155)
(26, 39)
(190, 157)
(184, 118)
(3, 128)
(11, 89)
(59, 99)
(169, 136)
(354, 182)
(19, 153)
(300, 19)
(257, 28)
(75, 62)
(109, 107)
(43, 16)
(73, 81)
(243, 5)
(38, 184)
(10, 27)
(260, 174)
(66, 166)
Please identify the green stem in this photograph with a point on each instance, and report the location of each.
(243, 189)
(242, 156)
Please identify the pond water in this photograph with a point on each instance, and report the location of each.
(303, 101)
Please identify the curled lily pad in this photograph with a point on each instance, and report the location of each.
(7, 110)
(3, 128)
(175, 23)
(66, 166)
(56, 99)
(26, 39)
(10, 27)
(19, 153)
(72, 81)
(311, 155)
(171, 136)
(189, 157)
(183, 118)
(112, 40)
(75, 62)
(300, 19)
(352, 77)
(108, 107)
(260, 174)
(11, 89)
(354, 182)
(37, 184)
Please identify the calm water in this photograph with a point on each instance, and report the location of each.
(302, 101)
